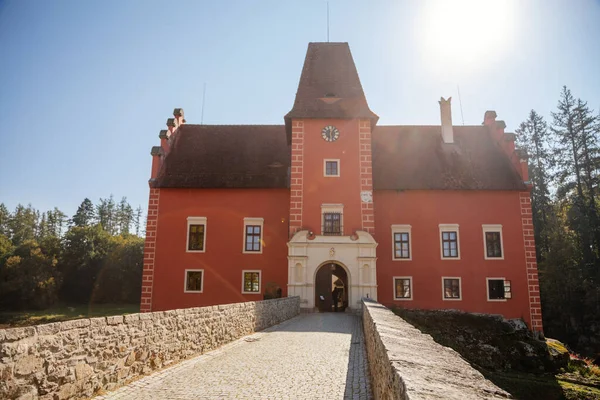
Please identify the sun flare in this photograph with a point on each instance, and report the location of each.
(465, 32)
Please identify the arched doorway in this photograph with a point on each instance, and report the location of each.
(331, 282)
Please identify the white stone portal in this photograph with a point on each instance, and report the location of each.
(356, 254)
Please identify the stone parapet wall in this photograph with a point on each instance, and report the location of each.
(75, 359)
(407, 364)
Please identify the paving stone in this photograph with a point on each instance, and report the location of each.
(312, 356)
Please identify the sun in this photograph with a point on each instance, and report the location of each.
(466, 32)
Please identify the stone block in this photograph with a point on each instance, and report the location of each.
(13, 334)
(131, 318)
(75, 324)
(97, 323)
(28, 365)
(66, 391)
(114, 320)
(83, 371)
(48, 329)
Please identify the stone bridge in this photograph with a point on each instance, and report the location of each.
(255, 350)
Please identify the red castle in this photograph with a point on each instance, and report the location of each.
(332, 207)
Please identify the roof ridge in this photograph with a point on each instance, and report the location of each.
(233, 125)
(426, 126)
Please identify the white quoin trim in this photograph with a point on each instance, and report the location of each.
(446, 114)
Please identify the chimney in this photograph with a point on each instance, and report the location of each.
(446, 112)
(156, 154)
(178, 114)
(489, 118)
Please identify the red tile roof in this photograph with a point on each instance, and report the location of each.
(329, 73)
(404, 158)
(415, 157)
(227, 156)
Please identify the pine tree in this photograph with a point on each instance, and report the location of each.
(138, 220)
(586, 125)
(56, 221)
(4, 218)
(569, 172)
(22, 224)
(107, 214)
(124, 216)
(85, 214)
(532, 135)
(42, 230)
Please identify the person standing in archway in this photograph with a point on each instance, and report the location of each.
(335, 297)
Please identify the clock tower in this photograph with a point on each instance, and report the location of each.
(331, 187)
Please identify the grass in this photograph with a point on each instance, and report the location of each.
(9, 319)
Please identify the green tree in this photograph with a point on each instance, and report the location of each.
(6, 247)
(85, 213)
(106, 214)
(28, 278)
(532, 135)
(57, 220)
(124, 216)
(22, 224)
(4, 220)
(586, 125)
(138, 220)
(120, 279)
(81, 260)
(569, 171)
(42, 228)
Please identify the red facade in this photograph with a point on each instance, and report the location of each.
(467, 191)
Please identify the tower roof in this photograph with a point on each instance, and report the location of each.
(329, 86)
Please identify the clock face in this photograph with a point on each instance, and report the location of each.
(330, 133)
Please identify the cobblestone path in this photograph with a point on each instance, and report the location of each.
(312, 356)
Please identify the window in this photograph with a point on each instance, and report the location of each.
(331, 168)
(332, 215)
(253, 228)
(492, 242)
(402, 288)
(449, 242)
(332, 224)
(498, 289)
(251, 282)
(402, 249)
(194, 281)
(451, 288)
(196, 237)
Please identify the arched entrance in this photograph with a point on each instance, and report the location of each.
(331, 284)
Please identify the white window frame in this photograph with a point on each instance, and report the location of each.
(487, 288)
(449, 228)
(253, 221)
(402, 229)
(259, 281)
(337, 160)
(459, 288)
(195, 221)
(186, 278)
(332, 208)
(410, 278)
(492, 228)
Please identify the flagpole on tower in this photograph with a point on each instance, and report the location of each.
(203, 97)
(327, 22)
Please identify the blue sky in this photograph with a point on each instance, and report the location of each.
(85, 86)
